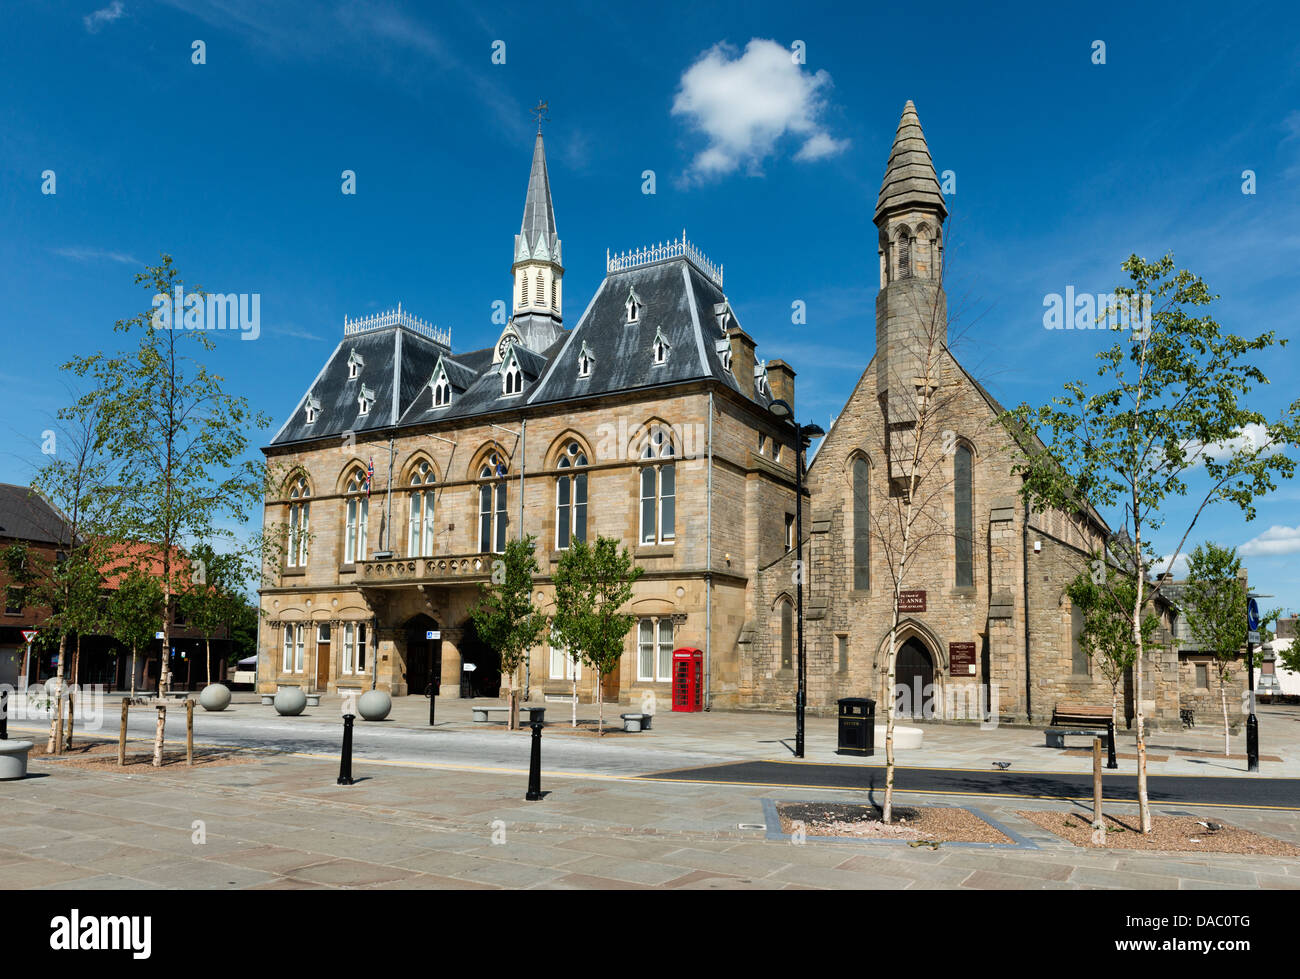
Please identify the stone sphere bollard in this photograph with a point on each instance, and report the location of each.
(215, 696)
(290, 702)
(374, 705)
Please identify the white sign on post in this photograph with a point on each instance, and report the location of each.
(433, 634)
(157, 635)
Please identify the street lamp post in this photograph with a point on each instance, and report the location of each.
(803, 437)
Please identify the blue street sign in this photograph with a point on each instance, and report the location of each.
(1252, 614)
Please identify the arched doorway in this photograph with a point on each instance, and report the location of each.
(423, 655)
(914, 680)
(485, 679)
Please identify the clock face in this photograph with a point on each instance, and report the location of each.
(506, 340)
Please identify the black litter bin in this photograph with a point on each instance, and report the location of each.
(857, 726)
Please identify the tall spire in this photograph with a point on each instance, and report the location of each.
(539, 212)
(910, 182)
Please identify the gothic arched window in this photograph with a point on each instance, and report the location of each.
(963, 517)
(861, 524)
(571, 497)
(420, 538)
(512, 379)
(492, 506)
(441, 391)
(298, 524)
(358, 516)
(658, 489)
(787, 636)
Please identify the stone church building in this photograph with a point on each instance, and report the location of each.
(408, 465)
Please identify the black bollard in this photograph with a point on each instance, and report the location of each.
(345, 760)
(4, 715)
(433, 702)
(1110, 744)
(535, 767)
(1252, 741)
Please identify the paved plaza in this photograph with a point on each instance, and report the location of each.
(445, 808)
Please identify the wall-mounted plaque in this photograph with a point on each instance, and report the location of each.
(911, 601)
(961, 658)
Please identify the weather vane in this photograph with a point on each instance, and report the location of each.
(540, 112)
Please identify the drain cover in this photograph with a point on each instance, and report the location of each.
(751, 825)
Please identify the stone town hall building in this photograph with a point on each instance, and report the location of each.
(648, 421)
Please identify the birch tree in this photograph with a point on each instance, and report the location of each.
(178, 436)
(504, 616)
(134, 609)
(1169, 411)
(1214, 601)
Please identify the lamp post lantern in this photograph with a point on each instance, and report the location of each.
(804, 434)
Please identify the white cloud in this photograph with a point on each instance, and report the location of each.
(1250, 438)
(1276, 540)
(1178, 565)
(105, 15)
(745, 103)
(82, 254)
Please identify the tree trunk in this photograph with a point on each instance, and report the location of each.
(890, 706)
(1144, 802)
(158, 737)
(600, 703)
(133, 672)
(55, 745)
(76, 668)
(207, 652)
(1223, 698)
(574, 721)
(164, 660)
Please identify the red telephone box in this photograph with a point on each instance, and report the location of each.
(688, 679)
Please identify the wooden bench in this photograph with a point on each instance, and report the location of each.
(1082, 719)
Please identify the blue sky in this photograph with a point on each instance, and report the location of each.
(1063, 167)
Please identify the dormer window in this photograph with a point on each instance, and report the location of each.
(512, 378)
(724, 354)
(312, 407)
(660, 348)
(585, 360)
(722, 315)
(355, 363)
(366, 400)
(441, 391)
(760, 380)
(634, 306)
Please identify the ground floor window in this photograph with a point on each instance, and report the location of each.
(354, 648)
(655, 650)
(294, 636)
(563, 667)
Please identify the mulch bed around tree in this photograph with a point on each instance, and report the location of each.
(931, 824)
(102, 755)
(1185, 834)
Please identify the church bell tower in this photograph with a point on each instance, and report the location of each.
(911, 307)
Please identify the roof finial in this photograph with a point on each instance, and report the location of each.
(540, 111)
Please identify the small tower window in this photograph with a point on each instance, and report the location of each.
(904, 257)
(523, 289)
(541, 290)
(634, 306)
(355, 363)
(512, 379)
(441, 391)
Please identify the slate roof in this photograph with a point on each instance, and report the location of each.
(678, 302)
(26, 515)
(909, 175)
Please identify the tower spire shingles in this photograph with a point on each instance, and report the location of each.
(910, 181)
(539, 212)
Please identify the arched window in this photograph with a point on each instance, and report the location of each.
(358, 516)
(904, 256)
(658, 489)
(441, 391)
(1078, 656)
(571, 497)
(963, 517)
(492, 520)
(512, 379)
(861, 524)
(787, 636)
(420, 538)
(299, 522)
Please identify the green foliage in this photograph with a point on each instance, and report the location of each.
(1214, 602)
(592, 583)
(211, 598)
(1106, 596)
(504, 616)
(135, 610)
(179, 438)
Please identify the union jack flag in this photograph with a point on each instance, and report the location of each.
(370, 475)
